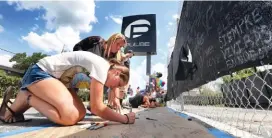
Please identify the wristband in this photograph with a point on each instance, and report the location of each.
(127, 119)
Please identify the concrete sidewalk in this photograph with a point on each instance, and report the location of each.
(168, 125)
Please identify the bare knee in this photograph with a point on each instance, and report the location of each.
(82, 114)
(71, 115)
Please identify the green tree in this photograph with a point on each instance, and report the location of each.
(6, 81)
(23, 61)
(239, 75)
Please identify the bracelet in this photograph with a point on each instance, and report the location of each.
(118, 98)
(127, 119)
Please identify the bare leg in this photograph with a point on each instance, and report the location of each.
(65, 107)
(19, 106)
(55, 102)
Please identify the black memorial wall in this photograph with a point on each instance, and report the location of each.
(222, 37)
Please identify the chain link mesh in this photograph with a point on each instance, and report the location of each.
(238, 106)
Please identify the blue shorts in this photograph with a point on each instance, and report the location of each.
(33, 74)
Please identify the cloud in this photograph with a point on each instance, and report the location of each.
(1, 29)
(35, 27)
(53, 42)
(107, 18)
(4, 60)
(170, 45)
(138, 75)
(65, 21)
(76, 14)
(162, 54)
(175, 16)
(117, 19)
(172, 24)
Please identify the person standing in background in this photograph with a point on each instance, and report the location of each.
(97, 45)
(137, 90)
(130, 91)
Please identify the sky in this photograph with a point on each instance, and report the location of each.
(46, 26)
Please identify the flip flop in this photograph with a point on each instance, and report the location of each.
(6, 99)
(15, 116)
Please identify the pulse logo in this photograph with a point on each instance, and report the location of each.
(140, 32)
(137, 28)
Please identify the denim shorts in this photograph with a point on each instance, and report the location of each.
(33, 74)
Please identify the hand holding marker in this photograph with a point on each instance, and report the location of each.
(95, 126)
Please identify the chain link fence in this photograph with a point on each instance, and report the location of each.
(239, 104)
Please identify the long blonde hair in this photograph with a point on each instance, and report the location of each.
(124, 74)
(111, 41)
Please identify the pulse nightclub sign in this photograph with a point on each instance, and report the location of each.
(140, 32)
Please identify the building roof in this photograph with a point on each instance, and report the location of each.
(11, 69)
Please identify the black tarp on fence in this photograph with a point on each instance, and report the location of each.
(222, 37)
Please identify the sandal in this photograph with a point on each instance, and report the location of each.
(3, 105)
(15, 116)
